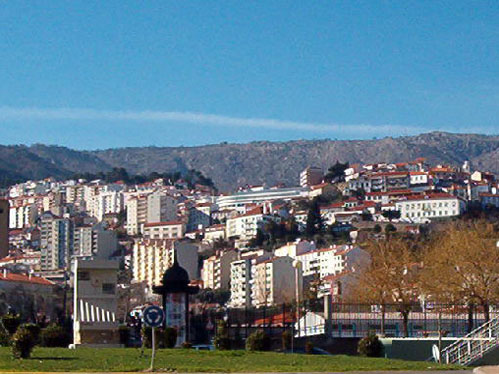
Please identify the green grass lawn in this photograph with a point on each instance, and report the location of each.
(183, 360)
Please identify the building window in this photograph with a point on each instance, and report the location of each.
(108, 288)
(83, 276)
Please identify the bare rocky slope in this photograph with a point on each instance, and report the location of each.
(231, 165)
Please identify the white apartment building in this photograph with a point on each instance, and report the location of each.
(164, 230)
(240, 283)
(333, 260)
(245, 226)
(380, 181)
(161, 207)
(213, 233)
(136, 214)
(151, 258)
(418, 178)
(93, 240)
(216, 271)
(424, 208)
(275, 281)
(56, 242)
(89, 193)
(74, 194)
(294, 249)
(208, 272)
(21, 216)
(106, 202)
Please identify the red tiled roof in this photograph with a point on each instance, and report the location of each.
(276, 320)
(390, 174)
(438, 195)
(318, 186)
(11, 277)
(442, 170)
(252, 212)
(17, 258)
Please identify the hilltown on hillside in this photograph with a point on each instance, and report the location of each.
(257, 247)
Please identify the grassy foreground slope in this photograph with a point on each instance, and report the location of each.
(181, 360)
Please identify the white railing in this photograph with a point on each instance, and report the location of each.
(474, 345)
(91, 313)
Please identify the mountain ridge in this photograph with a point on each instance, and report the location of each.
(234, 164)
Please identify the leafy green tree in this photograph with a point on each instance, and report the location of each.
(391, 214)
(258, 341)
(23, 342)
(390, 229)
(11, 322)
(222, 339)
(258, 240)
(221, 297)
(336, 173)
(315, 223)
(370, 346)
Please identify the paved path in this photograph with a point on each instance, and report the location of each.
(486, 370)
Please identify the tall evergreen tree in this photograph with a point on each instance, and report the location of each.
(315, 224)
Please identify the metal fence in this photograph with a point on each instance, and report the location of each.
(423, 319)
(340, 321)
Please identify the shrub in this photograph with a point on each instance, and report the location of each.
(170, 337)
(222, 340)
(286, 340)
(309, 347)
(35, 330)
(124, 332)
(11, 322)
(370, 346)
(161, 338)
(258, 341)
(4, 338)
(55, 336)
(23, 342)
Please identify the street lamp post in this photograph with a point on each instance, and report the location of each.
(298, 267)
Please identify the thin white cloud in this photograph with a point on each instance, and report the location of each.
(75, 114)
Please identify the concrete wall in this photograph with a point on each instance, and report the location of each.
(412, 349)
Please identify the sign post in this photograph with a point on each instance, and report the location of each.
(153, 317)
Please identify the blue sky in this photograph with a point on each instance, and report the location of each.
(99, 74)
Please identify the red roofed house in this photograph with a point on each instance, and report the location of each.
(32, 297)
(423, 208)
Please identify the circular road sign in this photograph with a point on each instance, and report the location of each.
(153, 316)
